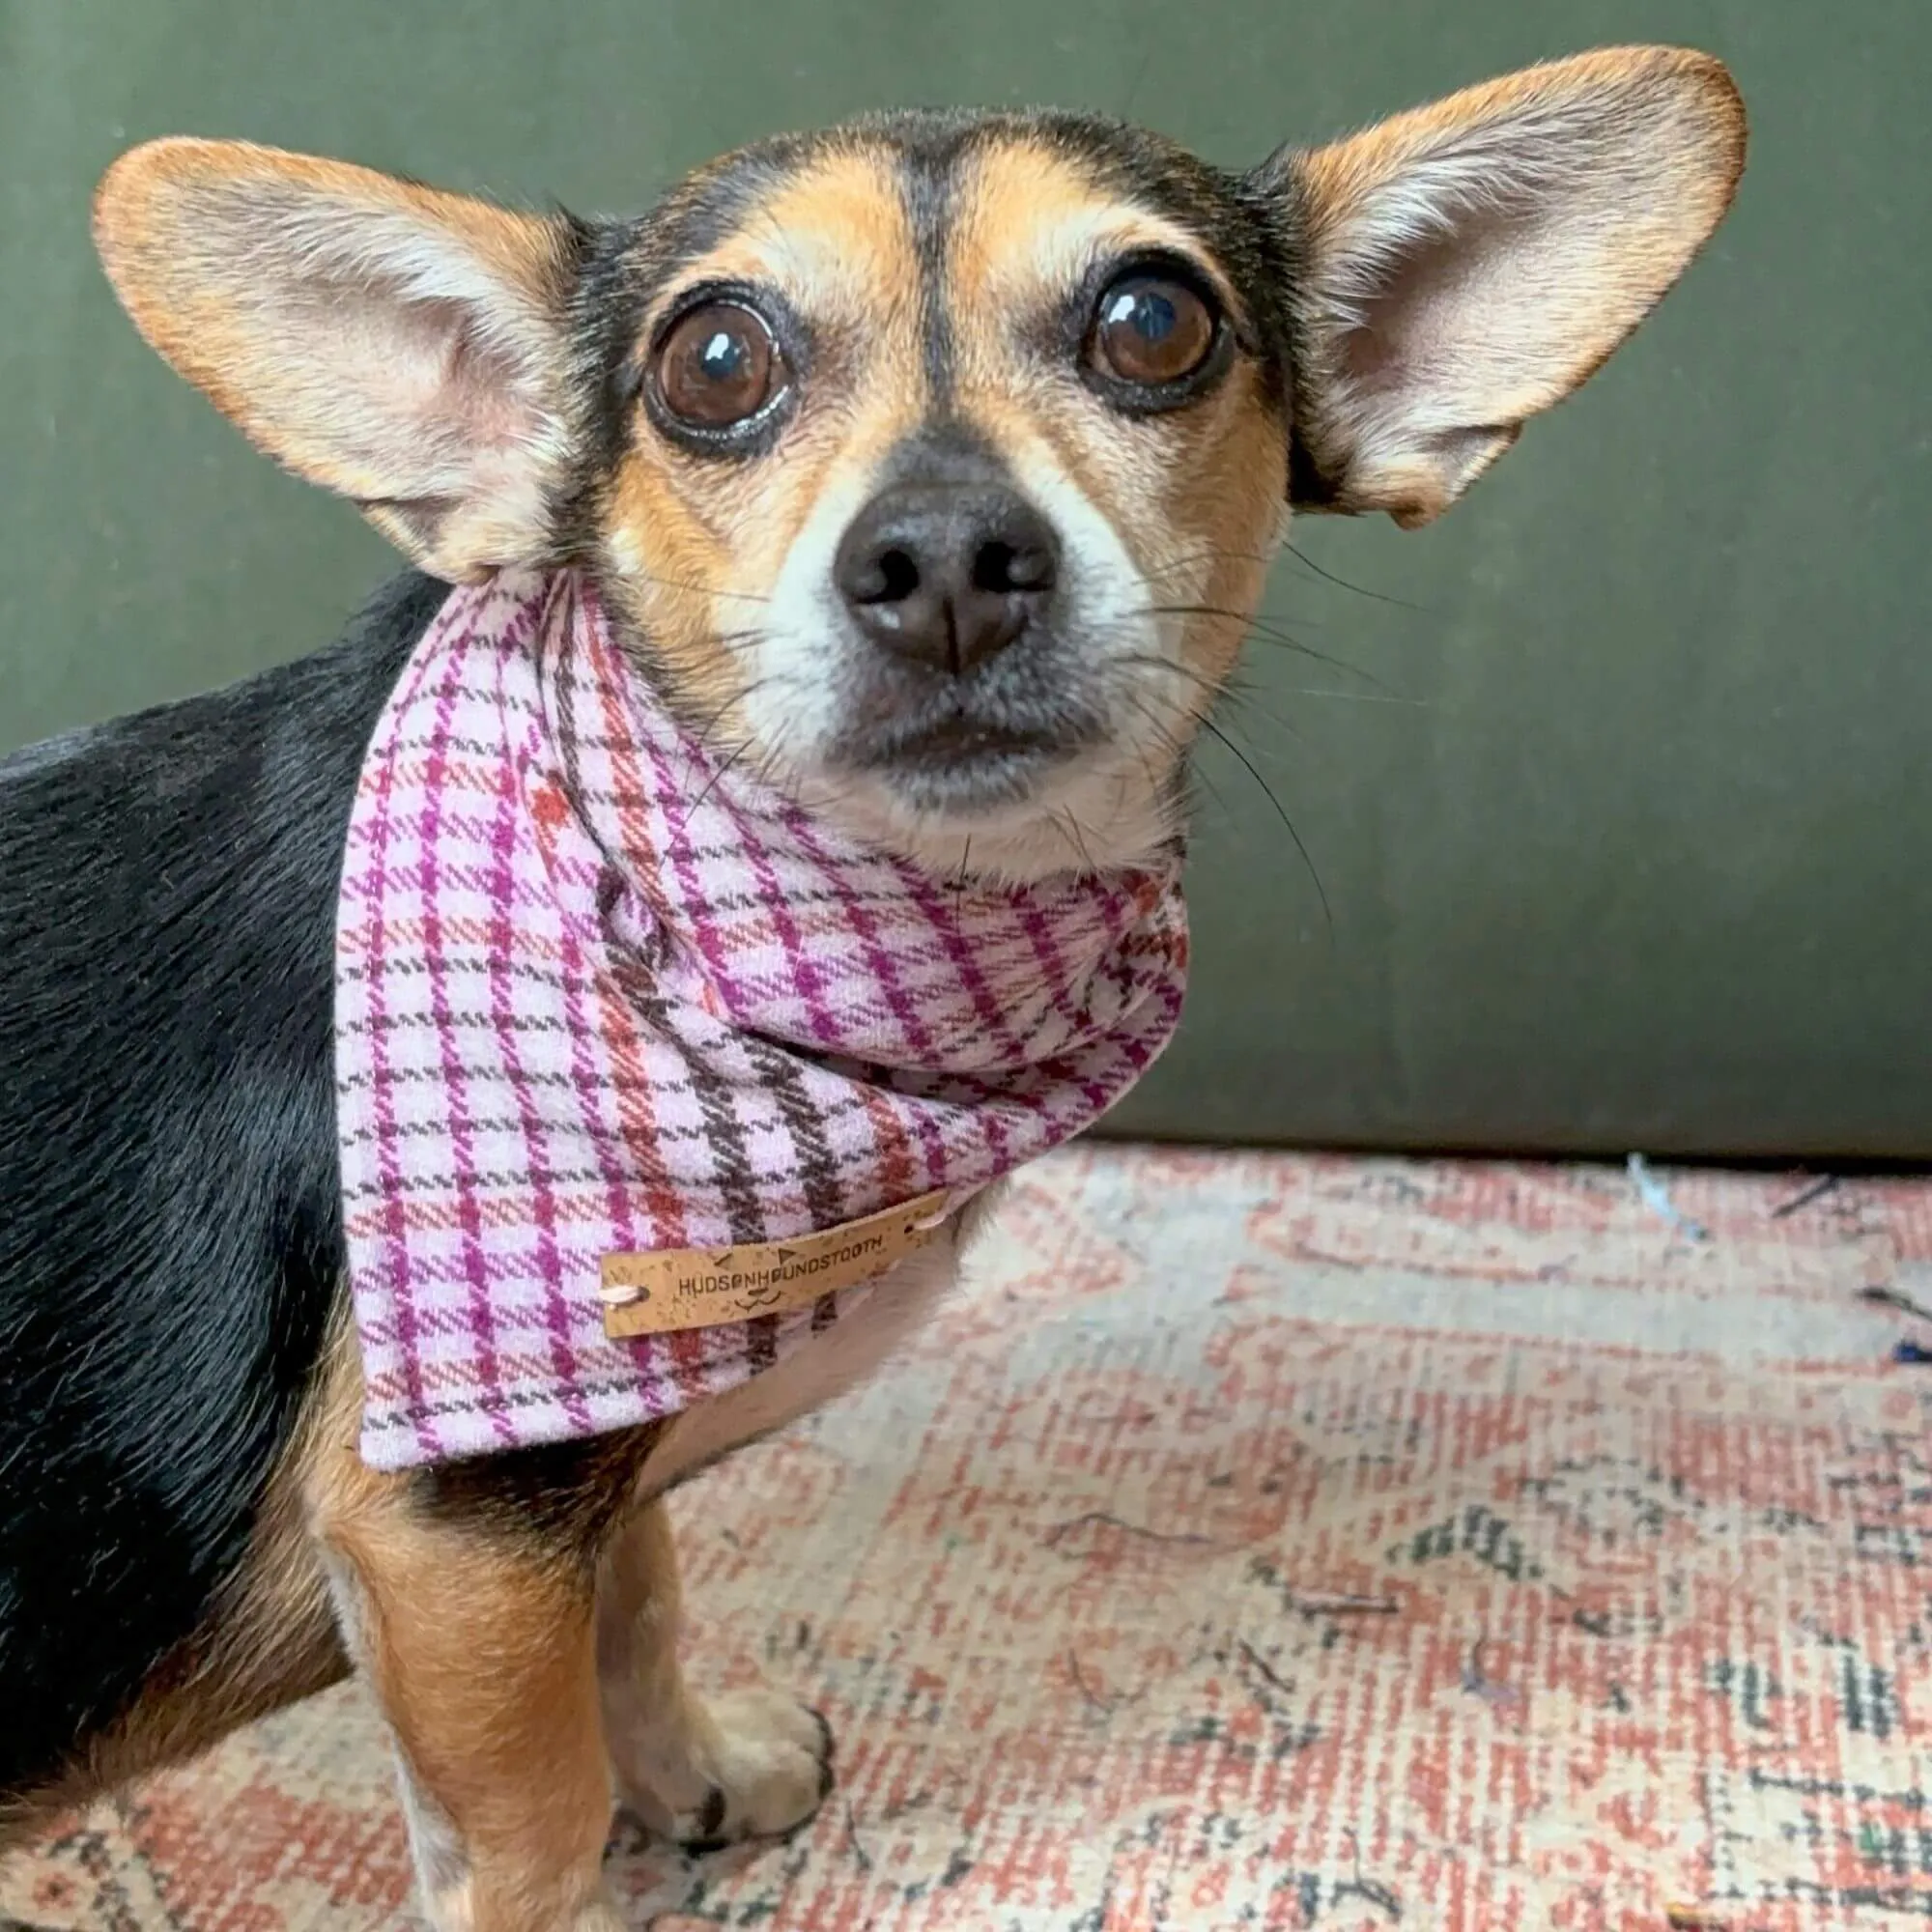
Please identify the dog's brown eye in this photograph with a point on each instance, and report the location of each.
(719, 365)
(1150, 329)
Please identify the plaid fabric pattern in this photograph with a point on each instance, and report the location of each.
(598, 991)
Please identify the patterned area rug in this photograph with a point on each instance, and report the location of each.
(1275, 1541)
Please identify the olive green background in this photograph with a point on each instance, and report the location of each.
(1625, 828)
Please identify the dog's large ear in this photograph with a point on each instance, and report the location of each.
(1469, 264)
(404, 346)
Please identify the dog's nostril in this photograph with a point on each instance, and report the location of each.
(899, 576)
(1004, 567)
(992, 567)
(888, 576)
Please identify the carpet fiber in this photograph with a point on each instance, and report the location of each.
(1277, 1542)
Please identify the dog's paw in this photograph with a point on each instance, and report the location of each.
(760, 1765)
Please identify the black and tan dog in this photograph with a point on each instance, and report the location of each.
(1077, 378)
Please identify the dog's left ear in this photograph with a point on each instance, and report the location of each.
(403, 347)
(1467, 264)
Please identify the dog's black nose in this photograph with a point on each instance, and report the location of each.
(947, 574)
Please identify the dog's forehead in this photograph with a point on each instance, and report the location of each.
(989, 205)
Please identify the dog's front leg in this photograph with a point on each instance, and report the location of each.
(751, 1764)
(480, 1645)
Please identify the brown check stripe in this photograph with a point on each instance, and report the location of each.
(594, 993)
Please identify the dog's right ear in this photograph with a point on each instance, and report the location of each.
(404, 346)
(1469, 264)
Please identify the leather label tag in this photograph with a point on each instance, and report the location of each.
(663, 1293)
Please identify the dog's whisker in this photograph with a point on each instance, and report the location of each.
(702, 589)
(1177, 755)
(701, 734)
(1225, 695)
(1230, 692)
(1211, 554)
(1156, 785)
(1262, 627)
(723, 766)
(1328, 576)
(1355, 697)
(1288, 547)
(1067, 823)
(1267, 791)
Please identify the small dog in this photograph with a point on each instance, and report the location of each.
(924, 474)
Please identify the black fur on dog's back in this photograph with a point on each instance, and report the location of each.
(170, 1228)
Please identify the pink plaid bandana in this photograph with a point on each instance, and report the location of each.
(599, 992)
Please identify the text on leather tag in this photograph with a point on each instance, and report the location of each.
(660, 1293)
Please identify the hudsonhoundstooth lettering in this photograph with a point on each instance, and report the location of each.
(598, 991)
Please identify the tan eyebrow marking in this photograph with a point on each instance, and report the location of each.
(834, 238)
(1028, 219)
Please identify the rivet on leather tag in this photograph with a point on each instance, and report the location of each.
(660, 1293)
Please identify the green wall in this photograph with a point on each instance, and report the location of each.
(1626, 826)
